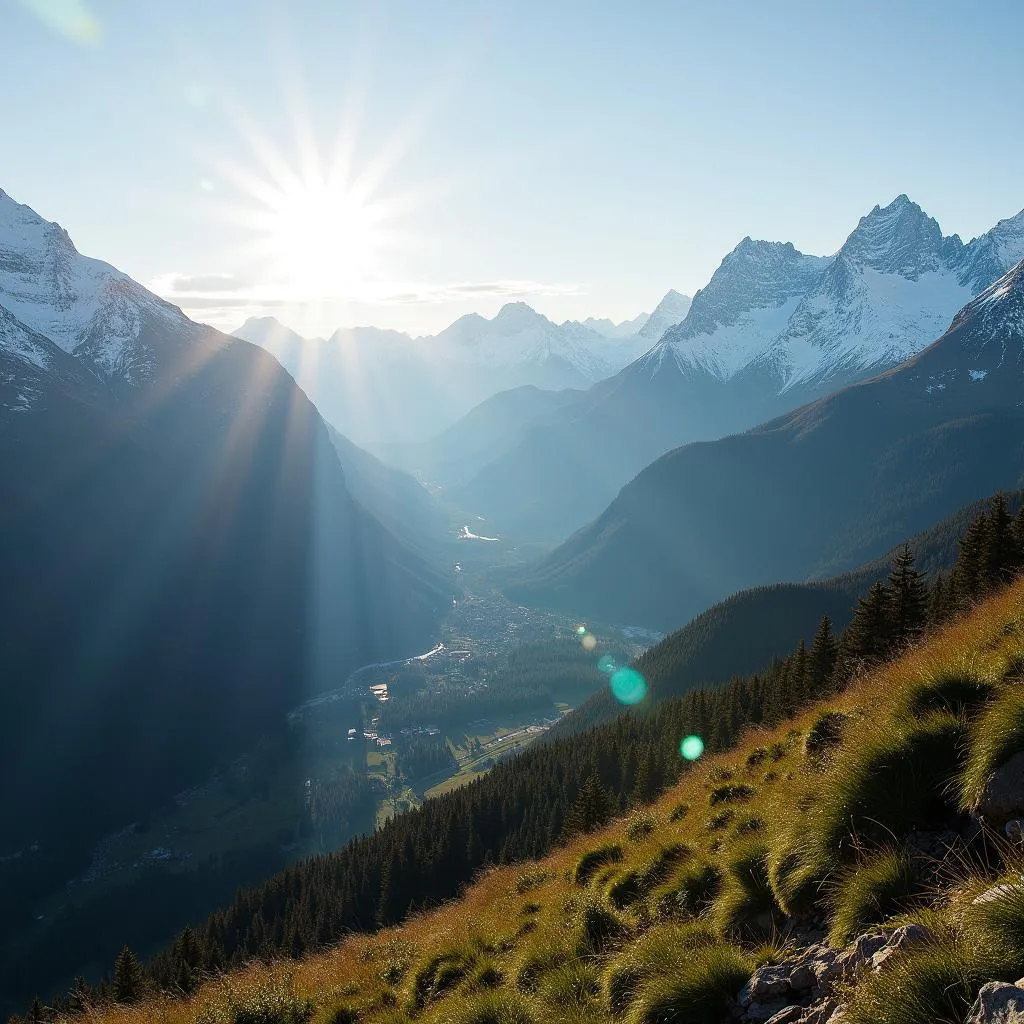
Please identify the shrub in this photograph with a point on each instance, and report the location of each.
(699, 994)
(662, 951)
(731, 793)
(593, 860)
(530, 908)
(270, 1002)
(997, 734)
(888, 883)
(493, 1008)
(745, 903)
(826, 733)
(679, 812)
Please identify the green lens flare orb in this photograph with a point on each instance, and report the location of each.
(691, 748)
(580, 630)
(606, 663)
(628, 686)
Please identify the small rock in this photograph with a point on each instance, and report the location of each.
(789, 1015)
(997, 892)
(807, 967)
(763, 1012)
(866, 946)
(1003, 796)
(821, 1012)
(908, 935)
(998, 1003)
(765, 982)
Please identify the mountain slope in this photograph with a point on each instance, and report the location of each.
(811, 493)
(382, 386)
(664, 914)
(772, 330)
(180, 558)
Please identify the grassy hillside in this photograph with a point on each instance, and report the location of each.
(829, 823)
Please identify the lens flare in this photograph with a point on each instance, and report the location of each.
(589, 642)
(606, 663)
(691, 748)
(628, 686)
(581, 630)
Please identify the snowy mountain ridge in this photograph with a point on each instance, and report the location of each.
(84, 306)
(892, 287)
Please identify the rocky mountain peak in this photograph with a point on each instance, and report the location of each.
(896, 239)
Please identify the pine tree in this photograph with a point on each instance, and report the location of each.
(127, 980)
(868, 637)
(908, 603)
(824, 651)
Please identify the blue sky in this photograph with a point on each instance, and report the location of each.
(583, 156)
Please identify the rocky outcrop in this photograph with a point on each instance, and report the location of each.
(806, 988)
(1002, 799)
(998, 1003)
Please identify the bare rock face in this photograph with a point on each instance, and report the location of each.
(998, 1003)
(1003, 798)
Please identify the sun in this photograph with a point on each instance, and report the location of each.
(322, 237)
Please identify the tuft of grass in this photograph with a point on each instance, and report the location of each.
(888, 883)
(996, 926)
(639, 829)
(749, 825)
(625, 890)
(695, 891)
(593, 860)
(952, 692)
(897, 779)
(598, 929)
(826, 733)
(736, 792)
(996, 735)
(745, 905)
(493, 1008)
(440, 974)
(662, 951)
(270, 1002)
(700, 993)
(533, 879)
(572, 985)
(539, 961)
(721, 820)
(756, 757)
(679, 812)
(936, 982)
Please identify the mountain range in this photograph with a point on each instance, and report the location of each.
(378, 386)
(181, 559)
(814, 492)
(773, 329)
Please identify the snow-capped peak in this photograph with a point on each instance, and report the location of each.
(82, 305)
(670, 311)
(896, 239)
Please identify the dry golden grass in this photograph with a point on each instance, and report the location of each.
(374, 974)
